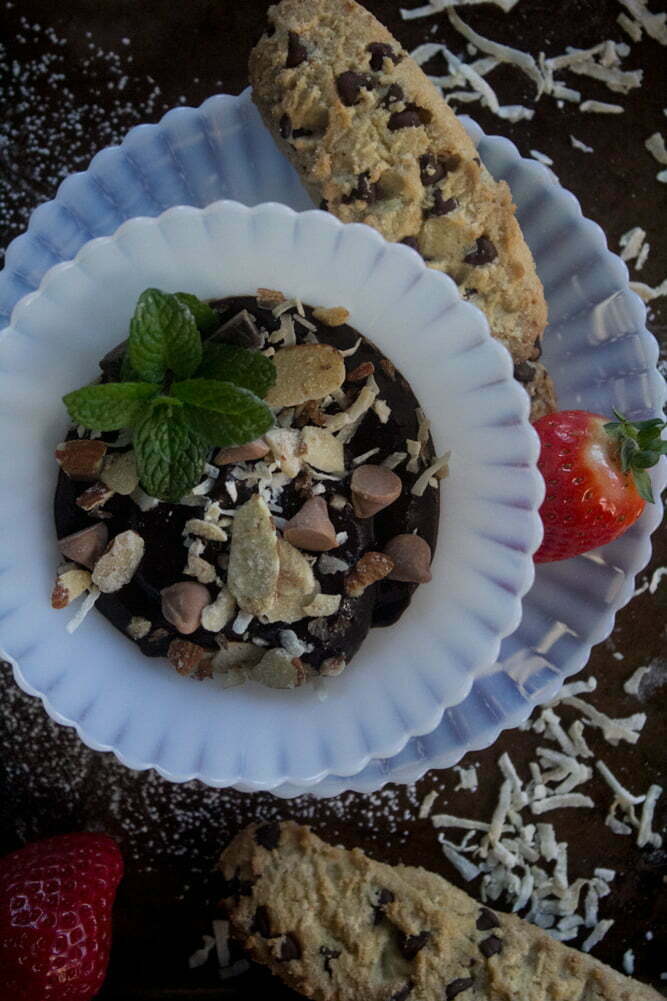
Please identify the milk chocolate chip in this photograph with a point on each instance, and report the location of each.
(311, 527)
(183, 603)
(256, 449)
(373, 489)
(411, 556)
(85, 547)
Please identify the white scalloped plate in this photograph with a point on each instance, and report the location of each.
(597, 348)
(140, 708)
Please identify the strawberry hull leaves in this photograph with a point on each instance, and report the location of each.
(249, 369)
(170, 453)
(163, 337)
(109, 407)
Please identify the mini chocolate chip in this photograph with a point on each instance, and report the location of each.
(524, 372)
(324, 205)
(469, 293)
(433, 169)
(487, 920)
(477, 160)
(458, 987)
(410, 945)
(536, 353)
(235, 887)
(349, 86)
(440, 205)
(296, 52)
(411, 241)
(289, 949)
(379, 52)
(270, 30)
(328, 954)
(384, 897)
(285, 127)
(394, 94)
(268, 835)
(403, 992)
(409, 118)
(301, 133)
(262, 922)
(484, 252)
(491, 946)
(364, 191)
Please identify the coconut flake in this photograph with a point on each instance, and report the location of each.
(541, 157)
(467, 778)
(427, 805)
(382, 411)
(437, 6)
(613, 730)
(633, 684)
(348, 352)
(466, 869)
(655, 144)
(620, 81)
(85, 606)
(642, 255)
(503, 53)
(645, 292)
(439, 465)
(645, 835)
(602, 108)
(631, 27)
(653, 24)
(199, 957)
(631, 242)
(560, 802)
(597, 935)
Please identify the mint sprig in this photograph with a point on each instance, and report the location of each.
(179, 397)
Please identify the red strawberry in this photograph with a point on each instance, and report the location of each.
(55, 917)
(596, 479)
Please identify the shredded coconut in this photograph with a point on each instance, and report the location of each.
(653, 24)
(655, 144)
(633, 683)
(85, 607)
(437, 6)
(631, 242)
(427, 805)
(439, 465)
(597, 935)
(541, 157)
(602, 108)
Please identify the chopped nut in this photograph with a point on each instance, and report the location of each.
(118, 565)
(256, 449)
(373, 489)
(190, 659)
(120, 473)
(94, 497)
(183, 604)
(204, 530)
(323, 605)
(311, 527)
(305, 372)
(71, 581)
(216, 615)
(81, 459)
(389, 367)
(296, 586)
(277, 669)
(138, 628)
(361, 372)
(370, 568)
(332, 667)
(252, 576)
(382, 411)
(336, 316)
(284, 445)
(267, 298)
(85, 547)
(234, 656)
(310, 413)
(199, 568)
(411, 556)
(320, 449)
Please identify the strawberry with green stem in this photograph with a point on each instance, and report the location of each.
(596, 478)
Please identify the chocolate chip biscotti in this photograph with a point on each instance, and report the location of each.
(375, 142)
(339, 927)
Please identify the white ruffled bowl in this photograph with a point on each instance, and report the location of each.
(403, 677)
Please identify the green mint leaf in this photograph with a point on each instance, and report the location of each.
(111, 406)
(127, 373)
(163, 337)
(170, 454)
(643, 484)
(205, 317)
(248, 369)
(222, 413)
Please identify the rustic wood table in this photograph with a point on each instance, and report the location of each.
(75, 76)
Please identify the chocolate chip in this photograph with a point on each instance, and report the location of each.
(411, 241)
(324, 205)
(409, 118)
(364, 191)
(262, 922)
(410, 945)
(440, 205)
(487, 920)
(536, 353)
(469, 293)
(235, 887)
(285, 127)
(433, 169)
(349, 86)
(484, 252)
(379, 52)
(268, 835)
(270, 30)
(289, 949)
(477, 160)
(384, 897)
(296, 52)
(394, 94)
(458, 987)
(403, 992)
(328, 954)
(491, 946)
(301, 133)
(524, 372)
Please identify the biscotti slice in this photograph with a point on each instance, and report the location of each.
(337, 926)
(375, 142)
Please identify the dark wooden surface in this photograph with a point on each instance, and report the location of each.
(171, 835)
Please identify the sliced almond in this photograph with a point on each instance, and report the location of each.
(323, 605)
(81, 459)
(296, 586)
(183, 604)
(252, 576)
(234, 656)
(71, 581)
(118, 565)
(268, 298)
(204, 530)
(284, 446)
(256, 449)
(138, 627)
(216, 615)
(411, 556)
(85, 547)
(373, 489)
(320, 449)
(190, 659)
(335, 316)
(305, 372)
(95, 497)
(277, 669)
(120, 473)
(370, 568)
(311, 528)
